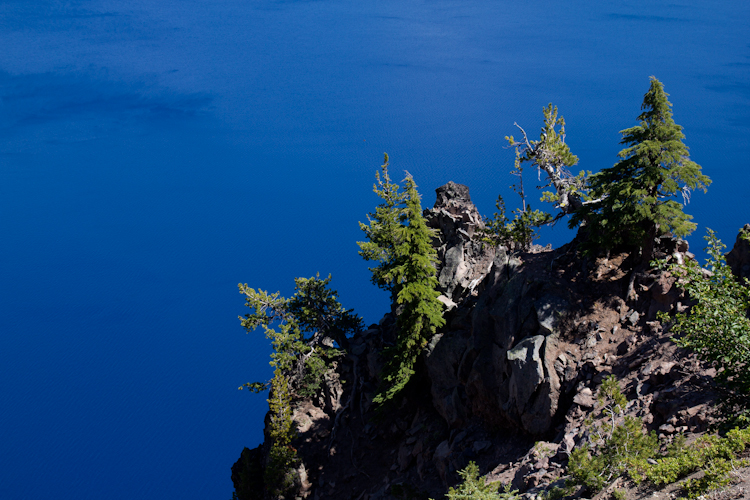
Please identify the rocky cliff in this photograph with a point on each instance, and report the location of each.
(528, 339)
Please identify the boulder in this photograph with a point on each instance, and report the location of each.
(534, 387)
(527, 370)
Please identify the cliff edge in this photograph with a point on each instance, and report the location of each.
(508, 382)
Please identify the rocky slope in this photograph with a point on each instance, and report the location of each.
(508, 382)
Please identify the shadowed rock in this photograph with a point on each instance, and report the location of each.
(739, 258)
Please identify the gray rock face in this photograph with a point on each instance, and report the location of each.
(499, 365)
(526, 361)
(464, 260)
(739, 257)
(548, 310)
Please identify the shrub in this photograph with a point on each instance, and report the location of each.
(715, 456)
(620, 448)
(617, 443)
(518, 233)
(473, 487)
(557, 492)
(627, 447)
(716, 327)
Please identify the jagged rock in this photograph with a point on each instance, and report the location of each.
(358, 350)
(442, 365)
(626, 345)
(481, 446)
(448, 303)
(738, 258)
(405, 457)
(662, 287)
(311, 421)
(482, 372)
(569, 441)
(506, 370)
(464, 261)
(656, 372)
(532, 393)
(633, 318)
(440, 460)
(527, 369)
(667, 428)
(442, 451)
(504, 473)
(304, 484)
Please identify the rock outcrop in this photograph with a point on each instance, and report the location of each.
(464, 260)
(528, 340)
(502, 356)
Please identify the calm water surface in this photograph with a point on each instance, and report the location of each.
(155, 154)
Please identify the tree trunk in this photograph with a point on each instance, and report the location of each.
(647, 251)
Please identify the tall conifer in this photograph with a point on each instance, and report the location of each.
(383, 229)
(415, 291)
(638, 193)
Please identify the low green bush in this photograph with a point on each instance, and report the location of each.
(715, 456)
(616, 444)
(625, 448)
(618, 447)
(473, 487)
(557, 492)
(717, 327)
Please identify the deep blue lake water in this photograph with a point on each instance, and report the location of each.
(155, 154)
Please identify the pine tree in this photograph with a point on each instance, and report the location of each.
(637, 195)
(551, 155)
(412, 275)
(279, 474)
(384, 228)
(400, 241)
(309, 325)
